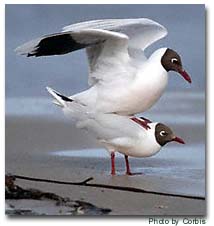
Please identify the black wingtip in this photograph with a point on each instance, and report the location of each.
(56, 44)
(30, 54)
(63, 97)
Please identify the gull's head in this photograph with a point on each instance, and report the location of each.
(164, 135)
(171, 61)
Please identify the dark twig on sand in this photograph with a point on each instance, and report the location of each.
(122, 188)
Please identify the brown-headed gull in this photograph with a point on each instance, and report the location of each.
(123, 134)
(122, 80)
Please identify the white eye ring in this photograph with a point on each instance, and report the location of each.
(163, 133)
(173, 60)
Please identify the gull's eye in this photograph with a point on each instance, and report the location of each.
(174, 61)
(163, 133)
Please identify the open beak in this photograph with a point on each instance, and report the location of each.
(184, 74)
(178, 139)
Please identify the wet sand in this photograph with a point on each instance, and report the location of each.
(30, 146)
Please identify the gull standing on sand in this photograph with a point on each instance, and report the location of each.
(127, 135)
(122, 80)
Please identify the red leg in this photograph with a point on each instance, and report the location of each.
(128, 171)
(112, 163)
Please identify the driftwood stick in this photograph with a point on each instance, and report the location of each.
(53, 181)
(114, 187)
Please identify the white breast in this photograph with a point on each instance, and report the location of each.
(134, 91)
(135, 97)
(144, 146)
(136, 141)
(148, 87)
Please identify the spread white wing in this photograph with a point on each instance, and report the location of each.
(110, 44)
(142, 32)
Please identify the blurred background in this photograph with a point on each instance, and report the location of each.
(28, 77)
(35, 126)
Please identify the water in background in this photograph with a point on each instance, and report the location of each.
(183, 111)
(173, 108)
(25, 76)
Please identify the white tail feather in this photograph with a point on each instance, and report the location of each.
(71, 108)
(60, 99)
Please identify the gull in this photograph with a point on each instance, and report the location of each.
(121, 78)
(124, 134)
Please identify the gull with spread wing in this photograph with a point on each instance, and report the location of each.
(122, 79)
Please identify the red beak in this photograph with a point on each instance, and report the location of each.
(178, 139)
(184, 74)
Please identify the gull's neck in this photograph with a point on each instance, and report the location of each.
(155, 60)
(157, 55)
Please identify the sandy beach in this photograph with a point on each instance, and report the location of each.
(42, 148)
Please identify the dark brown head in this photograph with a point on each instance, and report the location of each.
(164, 134)
(171, 61)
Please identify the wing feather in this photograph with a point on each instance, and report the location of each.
(110, 44)
(65, 42)
(142, 32)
